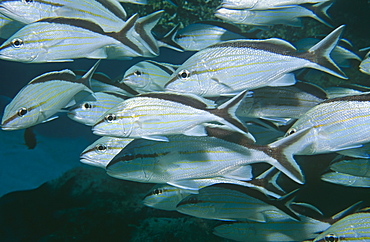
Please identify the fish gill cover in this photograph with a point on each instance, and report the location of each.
(252, 118)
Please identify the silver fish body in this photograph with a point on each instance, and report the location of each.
(233, 66)
(44, 96)
(79, 38)
(335, 124)
(148, 76)
(290, 15)
(354, 227)
(283, 102)
(103, 150)
(280, 227)
(88, 112)
(200, 35)
(228, 204)
(189, 157)
(108, 13)
(365, 64)
(264, 4)
(160, 114)
(354, 173)
(165, 197)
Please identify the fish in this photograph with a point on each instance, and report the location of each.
(32, 43)
(156, 115)
(335, 124)
(289, 15)
(340, 55)
(362, 152)
(353, 173)
(354, 227)
(232, 204)
(279, 227)
(223, 153)
(8, 26)
(108, 13)
(200, 35)
(165, 197)
(140, 2)
(265, 4)
(281, 102)
(365, 64)
(89, 111)
(254, 64)
(43, 97)
(148, 76)
(103, 150)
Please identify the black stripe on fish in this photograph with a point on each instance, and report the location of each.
(113, 9)
(65, 75)
(129, 157)
(353, 98)
(147, 35)
(123, 97)
(183, 99)
(312, 89)
(164, 68)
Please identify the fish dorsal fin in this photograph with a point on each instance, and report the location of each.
(274, 45)
(63, 75)
(86, 79)
(312, 89)
(351, 209)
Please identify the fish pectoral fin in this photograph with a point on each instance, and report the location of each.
(285, 80)
(243, 173)
(98, 54)
(186, 184)
(198, 130)
(155, 138)
(50, 119)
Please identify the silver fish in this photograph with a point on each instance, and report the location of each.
(283, 102)
(140, 2)
(233, 66)
(335, 124)
(103, 150)
(354, 227)
(32, 43)
(365, 64)
(42, 97)
(265, 4)
(279, 227)
(165, 197)
(354, 173)
(230, 204)
(148, 76)
(220, 154)
(108, 13)
(154, 115)
(200, 35)
(8, 26)
(290, 15)
(362, 152)
(89, 111)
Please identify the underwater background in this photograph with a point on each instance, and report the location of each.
(46, 194)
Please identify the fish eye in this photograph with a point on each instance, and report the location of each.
(27, 1)
(86, 106)
(101, 148)
(137, 73)
(22, 111)
(157, 191)
(17, 43)
(331, 238)
(291, 131)
(184, 74)
(110, 117)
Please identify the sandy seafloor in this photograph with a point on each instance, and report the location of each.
(48, 195)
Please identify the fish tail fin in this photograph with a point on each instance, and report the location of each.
(169, 41)
(282, 152)
(86, 79)
(320, 10)
(319, 54)
(287, 200)
(227, 112)
(139, 32)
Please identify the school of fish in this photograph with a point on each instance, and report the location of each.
(201, 130)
